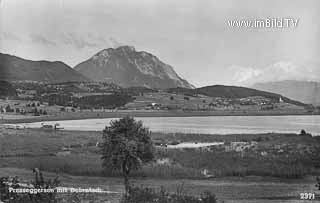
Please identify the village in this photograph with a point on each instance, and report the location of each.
(41, 99)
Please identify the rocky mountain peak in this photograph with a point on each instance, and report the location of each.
(127, 67)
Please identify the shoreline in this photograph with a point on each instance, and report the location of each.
(119, 114)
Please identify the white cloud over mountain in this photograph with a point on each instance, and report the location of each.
(276, 72)
(35, 38)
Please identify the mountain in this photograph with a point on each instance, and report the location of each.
(127, 67)
(233, 92)
(6, 89)
(13, 68)
(304, 91)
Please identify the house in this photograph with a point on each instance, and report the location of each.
(51, 127)
(206, 173)
(281, 100)
(155, 106)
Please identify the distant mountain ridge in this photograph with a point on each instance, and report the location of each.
(13, 68)
(304, 91)
(127, 67)
(233, 92)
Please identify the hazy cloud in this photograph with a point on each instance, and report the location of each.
(115, 43)
(241, 75)
(9, 36)
(41, 40)
(89, 40)
(77, 41)
(276, 72)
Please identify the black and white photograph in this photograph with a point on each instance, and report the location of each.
(159, 101)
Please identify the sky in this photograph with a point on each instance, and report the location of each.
(193, 36)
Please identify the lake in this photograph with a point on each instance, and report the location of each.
(206, 125)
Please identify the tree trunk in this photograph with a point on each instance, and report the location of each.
(125, 171)
(126, 184)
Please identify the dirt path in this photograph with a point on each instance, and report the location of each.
(243, 190)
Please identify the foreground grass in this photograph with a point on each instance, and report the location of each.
(231, 189)
(33, 148)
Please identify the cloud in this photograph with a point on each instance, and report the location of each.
(279, 71)
(114, 43)
(9, 36)
(241, 75)
(41, 40)
(77, 41)
(89, 40)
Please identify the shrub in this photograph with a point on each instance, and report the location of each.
(38, 183)
(149, 195)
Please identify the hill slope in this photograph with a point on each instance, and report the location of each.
(126, 67)
(6, 89)
(13, 68)
(233, 92)
(304, 91)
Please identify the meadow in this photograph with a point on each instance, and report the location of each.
(242, 177)
(77, 153)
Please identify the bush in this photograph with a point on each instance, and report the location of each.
(38, 183)
(304, 133)
(221, 164)
(149, 195)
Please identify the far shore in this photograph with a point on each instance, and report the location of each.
(140, 113)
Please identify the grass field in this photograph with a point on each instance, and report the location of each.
(230, 190)
(77, 153)
(242, 176)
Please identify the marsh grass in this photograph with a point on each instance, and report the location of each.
(37, 149)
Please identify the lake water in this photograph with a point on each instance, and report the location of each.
(207, 125)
